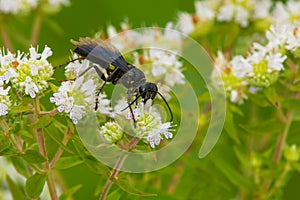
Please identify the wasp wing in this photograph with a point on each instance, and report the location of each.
(100, 52)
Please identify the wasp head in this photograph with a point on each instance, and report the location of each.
(148, 91)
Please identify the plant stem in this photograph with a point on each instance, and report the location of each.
(279, 148)
(41, 142)
(279, 181)
(60, 150)
(51, 113)
(176, 178)
(51, 187)
(5, 38)
(36, 30)
(282, 137)
(117, 168)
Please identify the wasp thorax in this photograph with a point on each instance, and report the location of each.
(148, 91)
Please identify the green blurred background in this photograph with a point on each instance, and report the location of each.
(211, 177)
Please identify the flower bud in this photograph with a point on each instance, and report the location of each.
(291, 153)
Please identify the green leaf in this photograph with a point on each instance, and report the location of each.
(34, 185)
(259, 99)
(230, 127)
(53, 87)
(42, 122)
(16, 191)
(33, 156)
(56, 136)
(262, 127)
(233, 174)
(292, 104)
(19, 165)
(5, 147)
(272, 96)
(114, 195)
(69, 193)
(96, 166)
(125, 185)
(20, 109)
(68, 162)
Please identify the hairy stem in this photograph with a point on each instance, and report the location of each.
(60, 150)
(41, 142)
(117, 168)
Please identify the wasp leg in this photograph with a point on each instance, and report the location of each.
(99, 90)
(130, 109)
(64, 64)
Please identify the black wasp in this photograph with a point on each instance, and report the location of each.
(106, 55)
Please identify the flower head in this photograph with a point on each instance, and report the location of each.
(111, 131)
(74, 97)
(149, 126)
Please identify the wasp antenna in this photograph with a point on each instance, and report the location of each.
(171, 113)
(131, 103)
(62, 65)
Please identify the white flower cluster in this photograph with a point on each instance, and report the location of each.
(161, 67)
(24, 6)
(17, 6)
(23, 73)
(138, 39)
(75, 97)
(241, 12)
(261, 67)
(149, 126)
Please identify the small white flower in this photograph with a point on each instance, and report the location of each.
(155, 136)
(237, 96)
(262, 9)
(111, 31)
(34, 70)
(226, 13)
(56, 3)
(173, 77)
(277, 35)
(10, 73)
(203, 11)
(46, 53)
(3, 91)
(288, 13)
(258, 53)
(3, 109)
(185, 23)
(242, 16)
(10, 6)
(34, 55)
(30, 87)
(75, 68)
(275, 61)
(240, 66)
(76, 113)
(7, 58)
(66, 86)
(293, 41)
